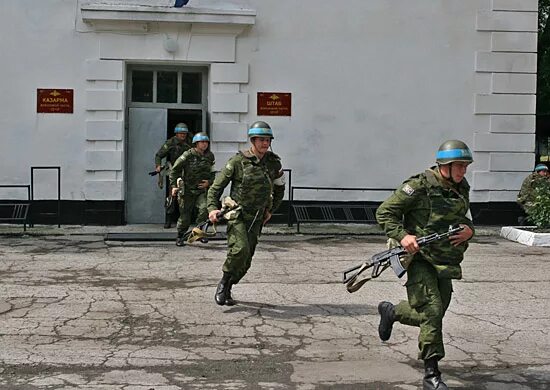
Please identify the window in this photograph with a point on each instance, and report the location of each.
(142, 86)
(167, 87)
(191, 87)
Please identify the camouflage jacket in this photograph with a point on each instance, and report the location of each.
(193, 168)
(171, 150)
(426, 204)
(527, 191)
(256, 184)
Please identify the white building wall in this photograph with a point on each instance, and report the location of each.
(376, 86)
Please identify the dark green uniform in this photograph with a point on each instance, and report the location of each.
(425, 204)
(193, 167)
(257, 186)
(171, 150)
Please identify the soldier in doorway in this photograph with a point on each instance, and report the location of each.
(257, 185)
(170, 151)
(424, 204)
(196, 169)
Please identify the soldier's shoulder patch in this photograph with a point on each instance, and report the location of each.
(407, 189)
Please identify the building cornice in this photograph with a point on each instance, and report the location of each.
(96, 13)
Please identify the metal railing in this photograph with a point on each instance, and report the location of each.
(16, 212)
(308, 211)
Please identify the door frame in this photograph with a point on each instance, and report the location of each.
(203, 69)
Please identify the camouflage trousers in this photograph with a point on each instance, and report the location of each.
(242, 237)
(192, 208)
(428, 299)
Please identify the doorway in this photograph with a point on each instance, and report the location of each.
(192, 118)
(158, 99)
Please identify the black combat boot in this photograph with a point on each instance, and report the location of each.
(432, 376)
(223, 287)
(179, 240)
(387, 318)
(229, 301)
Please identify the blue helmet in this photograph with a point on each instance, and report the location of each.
(541, 167)
(260, 129)
(181, 128)
(453, 150)
(200, 137)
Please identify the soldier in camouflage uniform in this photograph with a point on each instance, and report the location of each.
(257, 185)
(527, 192)
(428, 203)
(171, 150)
(196, 168)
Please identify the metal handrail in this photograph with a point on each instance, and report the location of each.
(27, 186)
(289, 214)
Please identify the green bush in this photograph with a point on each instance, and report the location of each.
(539, 211)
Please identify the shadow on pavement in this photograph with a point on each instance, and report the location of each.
(296, 311)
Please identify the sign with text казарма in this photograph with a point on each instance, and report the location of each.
(58, 101)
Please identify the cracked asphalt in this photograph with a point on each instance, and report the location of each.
(77, 312)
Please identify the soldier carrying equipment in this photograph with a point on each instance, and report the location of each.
(424, 204)
(389, 258)
(195, 170)
(170, 151)
(257, 184)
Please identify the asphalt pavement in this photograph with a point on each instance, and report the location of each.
(80, 312)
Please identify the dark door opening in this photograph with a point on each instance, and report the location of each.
(192, 118)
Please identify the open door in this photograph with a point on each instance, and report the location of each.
(146, 134)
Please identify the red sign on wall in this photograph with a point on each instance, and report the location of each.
(54, 101)
(274, 104)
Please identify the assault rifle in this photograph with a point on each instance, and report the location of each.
(389, 258)
(164, 170)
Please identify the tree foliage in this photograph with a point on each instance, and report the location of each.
(543, 77)
(539, 211)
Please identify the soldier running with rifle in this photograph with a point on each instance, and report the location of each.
(170, 150)
(425, 204)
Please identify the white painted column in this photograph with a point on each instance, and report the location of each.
(504, 141)
(104, 130)
(227, 103)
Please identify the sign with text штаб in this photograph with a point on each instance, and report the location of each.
(59, 101)
(274, 104)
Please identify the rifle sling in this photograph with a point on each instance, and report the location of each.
(353, 285)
